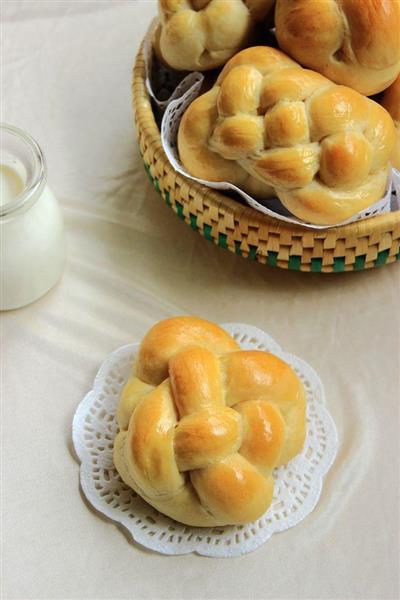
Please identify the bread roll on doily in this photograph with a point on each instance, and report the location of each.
(391, 101)
(203, 424)
(352, 42)
(322, 149)
(198, 35)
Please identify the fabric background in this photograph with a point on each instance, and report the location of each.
(66, 80)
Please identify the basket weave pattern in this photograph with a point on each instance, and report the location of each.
(242, 230)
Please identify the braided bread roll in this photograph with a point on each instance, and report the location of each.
(203, 424)
(352, 42)
(322, 149)
(198, 35)
(391, 101)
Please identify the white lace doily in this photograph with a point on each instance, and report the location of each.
(297, 485)
(272, 207)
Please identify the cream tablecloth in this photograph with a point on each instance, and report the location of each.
(131, 262)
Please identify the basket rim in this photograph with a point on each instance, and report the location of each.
(146, 122)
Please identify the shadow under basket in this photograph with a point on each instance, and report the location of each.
(246, 232)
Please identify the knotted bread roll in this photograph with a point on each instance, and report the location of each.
(352, 42)
(323, 149)
(198, 35)
(203, 424)
(391, 101)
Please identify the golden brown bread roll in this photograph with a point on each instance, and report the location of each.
(352, 42)
(322, 149)
(391, 101)
(203, 424)
(198, 35)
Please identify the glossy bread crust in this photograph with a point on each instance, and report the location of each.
(276, 129)
(198, 35)
(200, 446)
(352, 42)
(391, 101)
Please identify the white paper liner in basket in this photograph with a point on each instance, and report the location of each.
(298, 484)
(396, 189)
(169, 133)
(192, 81)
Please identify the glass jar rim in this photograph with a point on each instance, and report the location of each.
(36, 181)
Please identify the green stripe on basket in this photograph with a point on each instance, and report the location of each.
(381, 258)
(398, 255)
(294, 263)
(167, 198)
(238, 249)
(157, 185)
(359, 262)
(272, 259)
(222, 240)
(193, 221)
(252, 252)
(338, 264)
(316, 265)
(207, 233)
(179, 210)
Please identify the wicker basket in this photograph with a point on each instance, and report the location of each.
(253, 235)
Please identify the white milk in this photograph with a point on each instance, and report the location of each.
(11, 184)
(32, 240)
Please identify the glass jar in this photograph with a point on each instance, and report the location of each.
(31, 223)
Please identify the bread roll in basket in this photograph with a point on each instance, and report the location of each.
(275, 129)
(391, 101)
(352, 42)
(203, 424)
(198, 35)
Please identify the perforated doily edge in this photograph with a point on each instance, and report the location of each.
(197, 547)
